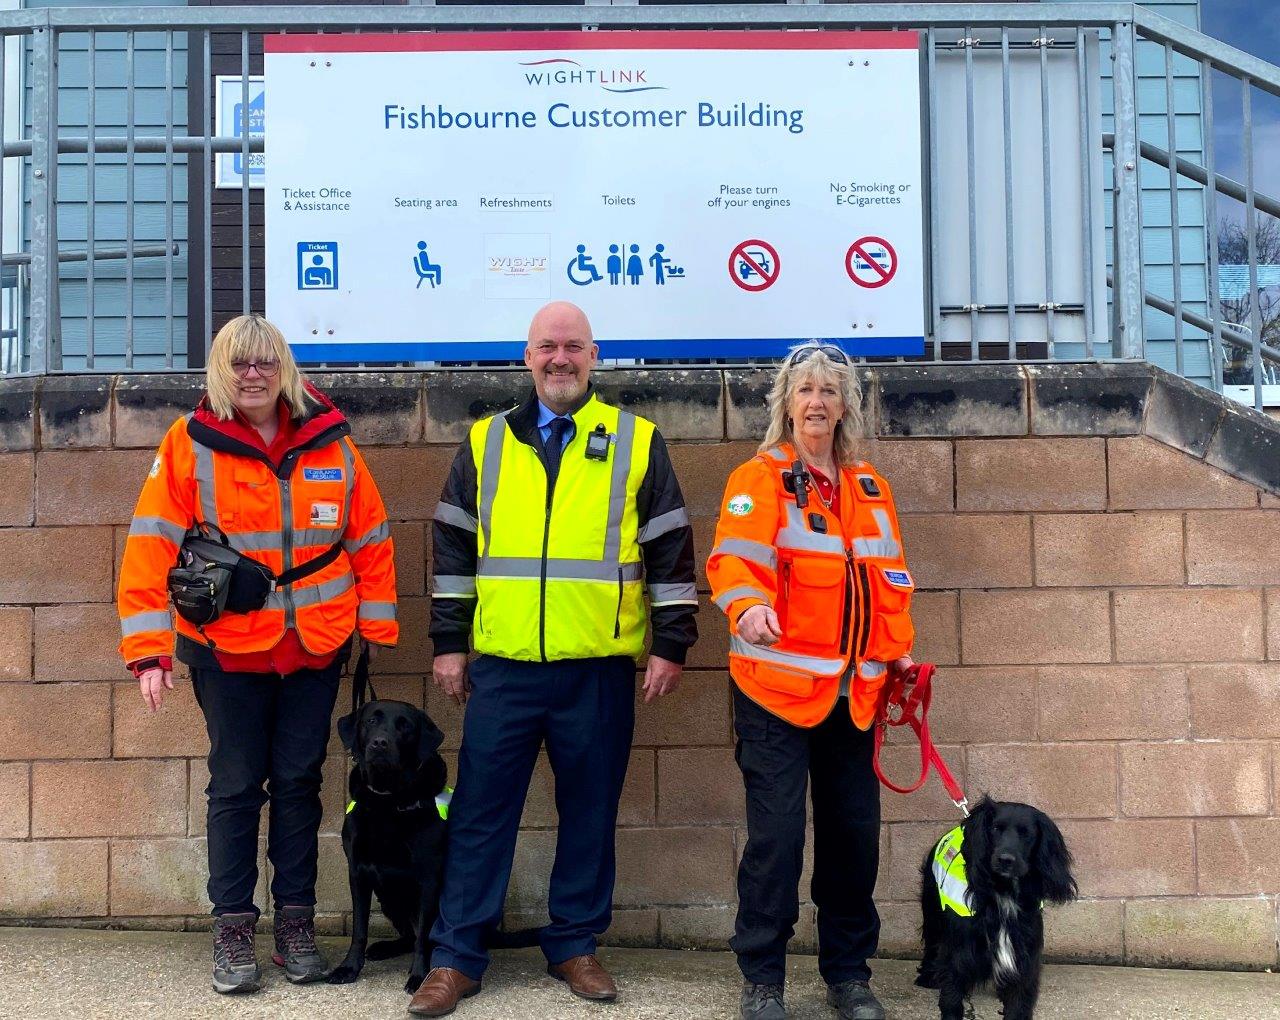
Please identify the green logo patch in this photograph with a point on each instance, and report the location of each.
(741, 505)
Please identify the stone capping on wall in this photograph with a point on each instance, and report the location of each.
(697, 403)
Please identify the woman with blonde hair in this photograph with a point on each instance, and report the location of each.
(808, 566)
(264, 472)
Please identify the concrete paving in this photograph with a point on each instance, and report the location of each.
(49, 972)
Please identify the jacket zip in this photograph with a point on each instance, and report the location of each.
(865, 590)
(617, 616)
(542, 588)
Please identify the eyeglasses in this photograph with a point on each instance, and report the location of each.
(801, 354)
(266, 369)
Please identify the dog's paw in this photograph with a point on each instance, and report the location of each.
(415, 979)
(343, 974)
(927, 981)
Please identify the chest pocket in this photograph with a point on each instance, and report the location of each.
(320, 498)
(255, 503)
(812, 602)
(891, 592)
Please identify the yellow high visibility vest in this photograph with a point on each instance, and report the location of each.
(560, 578)
(949, 873)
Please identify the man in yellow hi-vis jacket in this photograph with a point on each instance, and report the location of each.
(558, 518)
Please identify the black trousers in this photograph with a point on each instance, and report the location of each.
(776, 760)
(265, 728)
(584, 709)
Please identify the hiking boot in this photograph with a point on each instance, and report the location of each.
(235, 965)
(855, 1000)
(762, 1002)
(296, 952)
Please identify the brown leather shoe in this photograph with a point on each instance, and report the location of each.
(440, 992)
(585, 977)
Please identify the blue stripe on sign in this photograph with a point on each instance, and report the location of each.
(322, 474)
(513, 350)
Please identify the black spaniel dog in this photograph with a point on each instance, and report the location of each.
(983, 889)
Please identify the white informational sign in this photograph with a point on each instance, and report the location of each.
(698, 194)
(230, 120)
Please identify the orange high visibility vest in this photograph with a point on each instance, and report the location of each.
(325, 495)
(839, 585)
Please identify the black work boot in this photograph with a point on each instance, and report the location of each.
(235, 965)
(855, 1000)
(762, 1002)
(296, 952)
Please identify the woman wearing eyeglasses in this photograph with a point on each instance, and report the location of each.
(267, 461)
(808, 566)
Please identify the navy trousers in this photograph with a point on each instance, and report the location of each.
(777, 761)
(584, 709)
(265, 728)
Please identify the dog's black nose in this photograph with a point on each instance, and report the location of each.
(379, 744)
(1005, 861)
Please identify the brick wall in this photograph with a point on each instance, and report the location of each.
(1095, 550)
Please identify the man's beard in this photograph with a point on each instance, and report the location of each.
(563, 388)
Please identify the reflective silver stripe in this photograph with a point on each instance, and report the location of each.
(349, 478)
(304, 537)
(376, 534)
(447, 513)
(376, 611)
(746, 549)
(558, 570)
(870, 670)
(158, 527)
(205, 482)
(883, 545)
(950, 886)
(796, 535)
(140, 623)
(725, 599)
(313, 594)
(453, 586)
(804, 663)
(493, 440)
(660, 525)
(884, 548)
(673, 594)
(618, 486)
(776, 453)
(255, 541)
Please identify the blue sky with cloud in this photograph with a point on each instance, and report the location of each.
(1252, 26)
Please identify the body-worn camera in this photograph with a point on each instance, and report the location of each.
(598, 443)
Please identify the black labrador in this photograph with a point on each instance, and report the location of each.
(394, 832)
(1015, 860)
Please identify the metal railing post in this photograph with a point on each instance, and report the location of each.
(44, 265)
(1128, 257)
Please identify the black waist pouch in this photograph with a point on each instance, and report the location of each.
(210, 578)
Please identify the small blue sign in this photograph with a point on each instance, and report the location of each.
(322, 474)
(317, 265)
(899, 577)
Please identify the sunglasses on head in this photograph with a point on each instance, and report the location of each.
(833, 352)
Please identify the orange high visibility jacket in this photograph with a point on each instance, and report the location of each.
(321, 493)
(839, 585)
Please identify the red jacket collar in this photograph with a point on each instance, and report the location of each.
(317, 420)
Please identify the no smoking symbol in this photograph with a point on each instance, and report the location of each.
(871, 262)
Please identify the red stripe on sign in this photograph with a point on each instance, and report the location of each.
(417, 42)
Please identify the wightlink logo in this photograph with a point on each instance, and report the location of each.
(563, 71)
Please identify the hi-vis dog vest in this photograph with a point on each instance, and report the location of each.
(949, 873)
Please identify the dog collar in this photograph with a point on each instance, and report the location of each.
(442, 801)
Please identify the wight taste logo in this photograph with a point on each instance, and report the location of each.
(517, 265)
(553, 71)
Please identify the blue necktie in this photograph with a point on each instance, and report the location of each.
(555, 445)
